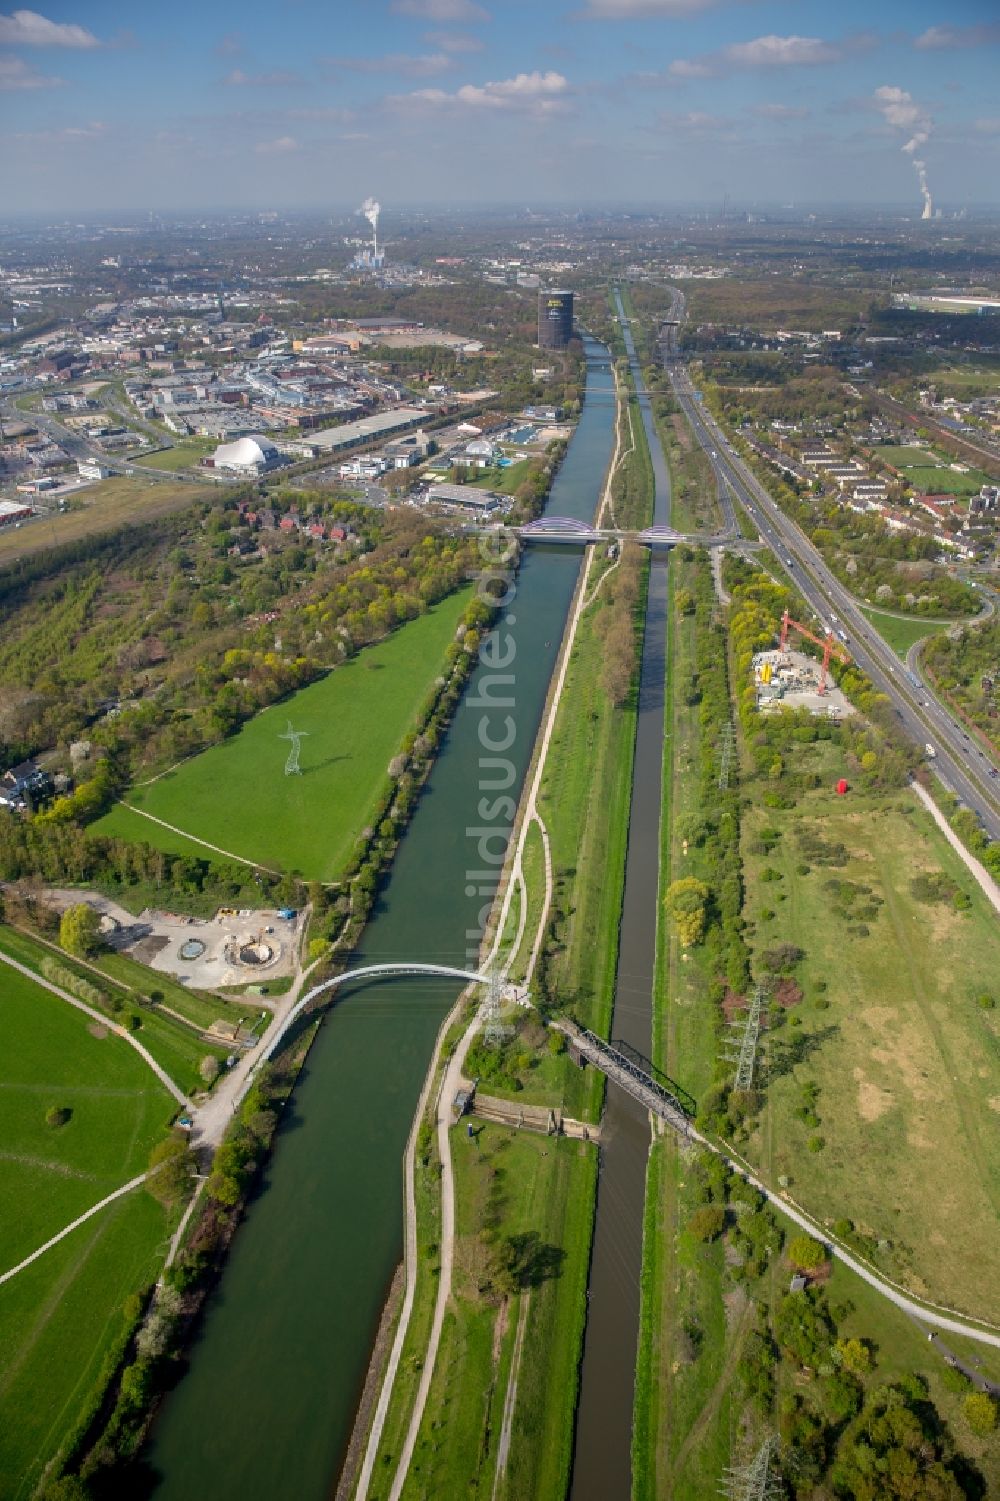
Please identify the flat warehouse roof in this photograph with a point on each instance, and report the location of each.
(366, 428)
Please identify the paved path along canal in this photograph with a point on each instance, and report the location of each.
(267, 1404)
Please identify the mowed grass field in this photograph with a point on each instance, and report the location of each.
(905, 1061)
(176, 1048)
(928, 470)
(900, 634)
(236, 795)
(61, 1317)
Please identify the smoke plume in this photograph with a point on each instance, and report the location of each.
(900, 110)
(371, 210)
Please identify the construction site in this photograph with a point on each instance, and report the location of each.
(785, 678)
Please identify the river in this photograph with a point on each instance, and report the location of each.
(266, 1406)
(602, 1460)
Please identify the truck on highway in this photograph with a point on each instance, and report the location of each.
(931, 752)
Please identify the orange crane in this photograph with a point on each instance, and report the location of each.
(831, 646)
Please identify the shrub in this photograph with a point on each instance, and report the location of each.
(816, 1143)
(806, 1253)
(855, 1356)
(80, 930)
(707, 1222)
(980, 1411)
(57, 1115)
(985, 1001)
(782, 958)
(685, 901)
(171, 1164)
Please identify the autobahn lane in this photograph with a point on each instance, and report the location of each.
(963, 769)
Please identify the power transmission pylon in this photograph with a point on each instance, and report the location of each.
(756, 1481)
(495, 1033)
(727, 751)
(292, 768)
(745, 1054)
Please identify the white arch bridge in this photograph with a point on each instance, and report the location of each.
(632, 1078)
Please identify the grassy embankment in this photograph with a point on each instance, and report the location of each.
(682, 1292)
(509, 1185)
(113, 503)
(235, 794)
(64, 1319)
(898, 633)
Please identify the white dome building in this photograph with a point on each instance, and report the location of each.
(249, 456)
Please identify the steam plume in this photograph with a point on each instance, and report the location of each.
(371, 210)
(900, 110)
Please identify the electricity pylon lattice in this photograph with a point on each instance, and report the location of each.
(757, 1480)
(495, 1033)
(727, 751)
(292, 768)
(744, 1052)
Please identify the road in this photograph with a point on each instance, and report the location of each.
(962, 768)
(80, 450)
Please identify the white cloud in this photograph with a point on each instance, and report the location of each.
(690, 67)
(279, 147)
(770, 52)
(535, 93)
(325, 114)
(778, 112)
(642, 10)
(989, 125)
(69, 135)
(394, 62)
(441, 10)
(26, 28)
(946, 38)
(781, 52)
(278, 79)
(230, 45)
(900, 110)
(15, 75)
(454, 41)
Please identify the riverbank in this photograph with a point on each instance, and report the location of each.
(585, 743)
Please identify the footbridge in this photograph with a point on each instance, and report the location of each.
(569, 529)
(364, 972)
(618, 1062)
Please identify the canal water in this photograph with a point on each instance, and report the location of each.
(602, 1465)
(266, 1406)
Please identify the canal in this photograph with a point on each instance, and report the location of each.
(267, 1403)
(602, 1460)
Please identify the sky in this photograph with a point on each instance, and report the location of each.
(110, 108)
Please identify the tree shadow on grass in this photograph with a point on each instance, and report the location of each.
(535, 1262)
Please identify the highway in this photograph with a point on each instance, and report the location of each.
(962, 767)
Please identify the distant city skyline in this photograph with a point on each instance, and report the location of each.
(107, 109)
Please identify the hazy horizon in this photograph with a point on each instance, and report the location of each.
(585, 104)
